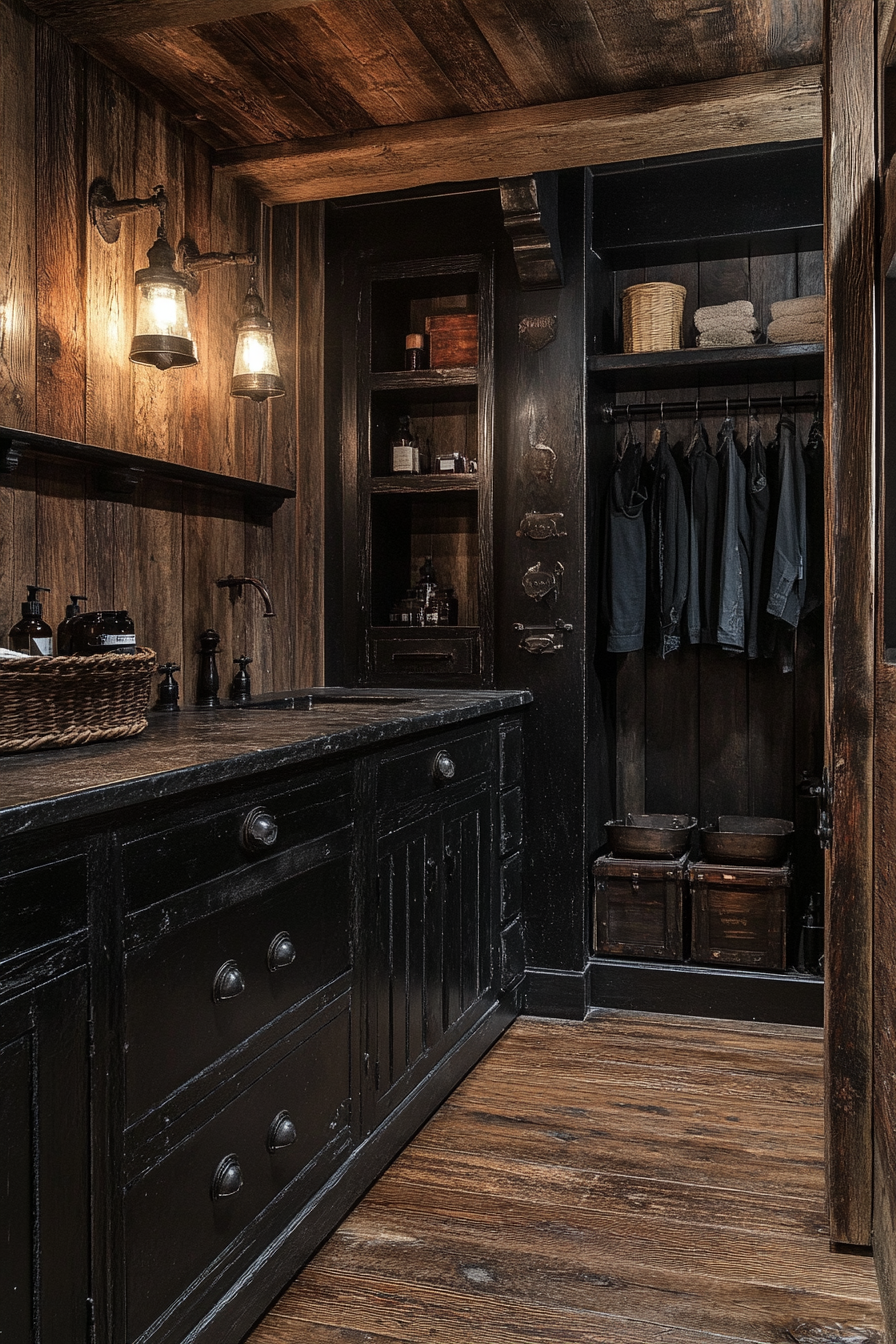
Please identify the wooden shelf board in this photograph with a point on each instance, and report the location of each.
(118, 474)
(705, 368)
(424, 380)
(423, 485)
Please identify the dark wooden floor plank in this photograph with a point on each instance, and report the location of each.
(621, 1181)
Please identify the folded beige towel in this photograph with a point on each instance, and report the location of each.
(728, 324)
(805, 330)
(809, 306)
(723, 336)
(741, 310)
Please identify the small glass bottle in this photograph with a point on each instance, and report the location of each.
(414, 352)
(405, 450)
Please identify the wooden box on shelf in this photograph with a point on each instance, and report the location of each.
(453, 340)
(740, 916)
(639, 907)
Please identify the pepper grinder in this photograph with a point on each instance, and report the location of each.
(241, 687)
(169, 692)
(208, 682)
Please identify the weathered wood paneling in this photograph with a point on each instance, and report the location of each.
(67, 317)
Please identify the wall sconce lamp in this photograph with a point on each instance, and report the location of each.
(162, 336)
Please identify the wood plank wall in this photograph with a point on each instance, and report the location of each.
(701, 732)
(66, 314)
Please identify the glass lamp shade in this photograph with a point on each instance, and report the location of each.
(162, 335)
(256, 372)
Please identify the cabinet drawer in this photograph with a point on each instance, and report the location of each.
(175, 1222)
(41, 905)
(184, 1003)
(211, 843)
(424, 770)
(442, 657)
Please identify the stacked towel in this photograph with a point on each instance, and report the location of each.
(797, 320)
(726, 324)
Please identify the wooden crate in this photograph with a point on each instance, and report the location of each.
(639, 907)
(453, 340)
(740, 915)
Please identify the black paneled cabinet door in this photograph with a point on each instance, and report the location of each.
(44, 1164)
(431, 960)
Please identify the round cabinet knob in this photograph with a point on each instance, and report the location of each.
(258, 831)
(442, 767)
(281, 1132)
(228, 1178)
(228, 982)
(281, 952)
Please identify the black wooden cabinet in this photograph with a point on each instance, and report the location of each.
(430, 964)
(45, 1283)
(209, 1050)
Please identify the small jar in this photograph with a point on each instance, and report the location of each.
(414, 352)
(104, 632)
(449, 463)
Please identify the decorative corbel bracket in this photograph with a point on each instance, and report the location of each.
(11, 453)
(530, 218)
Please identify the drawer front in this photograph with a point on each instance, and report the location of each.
(511, 888)
(41, 905)
(175, 1222)
(423, 771)
(183, 1002)
(511, 820)
(443, 657)
(212, 843)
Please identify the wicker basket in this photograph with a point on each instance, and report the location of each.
(651, 316)
(65, 702)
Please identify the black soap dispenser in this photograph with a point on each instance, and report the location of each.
(64, 629)
(31, 634)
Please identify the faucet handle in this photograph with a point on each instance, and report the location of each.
(168, 692)
(241, 687)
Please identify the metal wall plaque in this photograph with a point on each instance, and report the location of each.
(542, 584)
(540, 462)
(541, 526)
(537, 332)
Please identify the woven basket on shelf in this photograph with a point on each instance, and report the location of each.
(651, 316)
(65, 702)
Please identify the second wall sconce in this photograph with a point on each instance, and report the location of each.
(162, 335)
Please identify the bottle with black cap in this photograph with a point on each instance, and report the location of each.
(64, 632)
(31, 634)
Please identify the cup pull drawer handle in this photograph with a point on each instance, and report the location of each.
(423, 657)
(228, 1178)
(281, 953)
(228, 982)
(443, 767)
(281, 1132)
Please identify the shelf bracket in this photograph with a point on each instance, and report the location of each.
(530, 218)
(11, 452)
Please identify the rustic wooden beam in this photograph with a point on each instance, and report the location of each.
(86, 20)
(776, 105)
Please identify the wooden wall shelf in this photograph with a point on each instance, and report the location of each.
(707, 368)
(116, 475)
(424, 380)
(423, 485)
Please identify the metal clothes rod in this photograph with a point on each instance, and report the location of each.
(696, 408)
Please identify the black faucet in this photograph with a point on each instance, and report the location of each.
(237, 583)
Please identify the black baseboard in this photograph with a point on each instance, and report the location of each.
(706, 991)
(253, 1294)
(552, 993)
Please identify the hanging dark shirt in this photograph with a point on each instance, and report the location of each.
(668, 545)
(700, 477)
(758, 504)
(734, 571)
(625, 563)
(813, 461)
(787, 588)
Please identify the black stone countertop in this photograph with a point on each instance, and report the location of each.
(195, 748)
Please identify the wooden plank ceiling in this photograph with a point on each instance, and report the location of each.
(306, 72)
